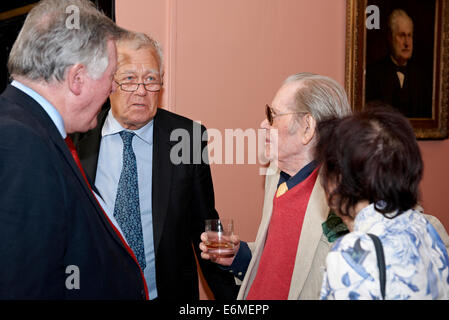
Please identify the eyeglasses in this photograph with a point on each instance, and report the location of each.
(271, 114)
(131, 87)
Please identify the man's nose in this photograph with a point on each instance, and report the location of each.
(408, 41)
(141, 91)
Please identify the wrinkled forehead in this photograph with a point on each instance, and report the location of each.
(137, 69)
(403, 24)
(285, 98)
(137, 60)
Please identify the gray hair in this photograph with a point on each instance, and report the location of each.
(138, 40)
(320, 96)
(392, 19)
(46, 46)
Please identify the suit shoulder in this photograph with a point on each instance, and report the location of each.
(174, 120)
(15, 126)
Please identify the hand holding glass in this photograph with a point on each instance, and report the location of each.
(219, 232)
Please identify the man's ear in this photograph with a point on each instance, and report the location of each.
(308, 130)
(76, 77)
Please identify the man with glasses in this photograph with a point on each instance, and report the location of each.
(284, 262)
(158, 206)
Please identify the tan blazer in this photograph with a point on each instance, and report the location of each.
(313, 246)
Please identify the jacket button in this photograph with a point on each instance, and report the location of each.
(142, 292)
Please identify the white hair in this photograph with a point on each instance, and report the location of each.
(393, 18)
(138, 40)
(320, 96)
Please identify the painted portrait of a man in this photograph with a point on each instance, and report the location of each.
(400, 58)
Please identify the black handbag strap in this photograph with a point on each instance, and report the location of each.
(380, 262)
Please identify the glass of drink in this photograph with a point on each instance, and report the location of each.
(219, 232)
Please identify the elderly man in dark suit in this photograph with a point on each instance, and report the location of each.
(158, 198)
(55, 240)
(398, 79)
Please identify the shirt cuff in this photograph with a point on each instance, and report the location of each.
(241, 261)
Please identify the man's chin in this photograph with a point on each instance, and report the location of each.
(406, 56)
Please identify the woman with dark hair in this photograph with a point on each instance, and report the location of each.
(371, 170)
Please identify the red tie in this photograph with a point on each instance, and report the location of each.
(72, 149)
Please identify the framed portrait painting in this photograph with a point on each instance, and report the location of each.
(397, 54)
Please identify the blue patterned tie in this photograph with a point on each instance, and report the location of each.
(127, 205)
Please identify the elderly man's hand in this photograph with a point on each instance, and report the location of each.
(224, 261)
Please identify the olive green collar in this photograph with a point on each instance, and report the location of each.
(333, 227)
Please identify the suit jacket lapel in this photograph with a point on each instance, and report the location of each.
(88, 147)
(271, 181)
(162, 171)
(316, 213)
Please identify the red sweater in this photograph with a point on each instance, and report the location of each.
(276, 265)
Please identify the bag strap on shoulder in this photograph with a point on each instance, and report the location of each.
(380, 262)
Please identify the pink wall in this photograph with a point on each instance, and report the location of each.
(226, 58)
(435, 184)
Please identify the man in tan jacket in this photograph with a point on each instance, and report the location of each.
(284, 261)
(287, 259)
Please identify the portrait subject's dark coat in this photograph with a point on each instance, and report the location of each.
(414, 99)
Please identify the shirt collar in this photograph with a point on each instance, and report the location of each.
(298, 177)
(52, 112)
(112, 126)
(369, 216)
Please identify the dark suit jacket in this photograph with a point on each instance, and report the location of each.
(183, 197)
(414, 99)
(49, 219)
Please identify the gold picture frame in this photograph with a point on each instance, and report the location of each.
(357, 28)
